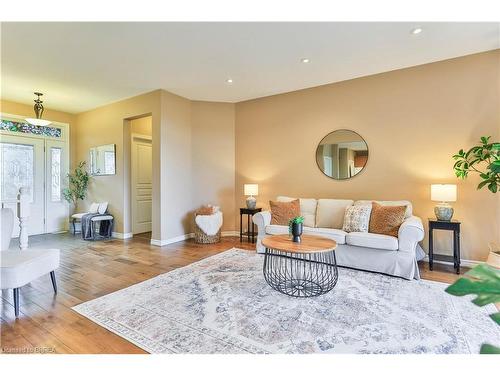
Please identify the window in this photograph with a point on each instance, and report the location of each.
(55, 168)
(23, 127)
(16, 170)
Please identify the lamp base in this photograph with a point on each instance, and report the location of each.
(251, 203)
(443, 211)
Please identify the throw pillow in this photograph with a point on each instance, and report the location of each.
(386, 219)
(357, 218)
(94, 208)
(282, 212)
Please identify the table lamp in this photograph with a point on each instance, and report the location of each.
(443, 193)
(250, 190)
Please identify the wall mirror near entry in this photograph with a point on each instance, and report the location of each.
(342, 154)
(102, 160)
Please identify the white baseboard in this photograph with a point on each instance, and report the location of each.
(172, 240)
(122, 236)
(229, 233)
(463, 262)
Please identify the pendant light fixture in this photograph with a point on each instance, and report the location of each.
(38, 107)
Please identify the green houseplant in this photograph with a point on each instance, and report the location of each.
(483, 281)
(295, 227)
(483, 159)
(78, 183)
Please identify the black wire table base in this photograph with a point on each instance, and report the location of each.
(300, 274)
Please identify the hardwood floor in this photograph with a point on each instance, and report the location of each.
(92, 269)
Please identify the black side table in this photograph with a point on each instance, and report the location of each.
(250, 227)
(454, 226)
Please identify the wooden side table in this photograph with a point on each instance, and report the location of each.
(454, 226)
(250, 225)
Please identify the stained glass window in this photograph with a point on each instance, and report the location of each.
(55, 159)
(23, 127)
(16, 170)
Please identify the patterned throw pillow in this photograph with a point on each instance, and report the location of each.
(386, 219)
(282, 212)
(357, 218)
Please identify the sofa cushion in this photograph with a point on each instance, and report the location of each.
(330, 212)
(375, 241)
(337, 235)
(283, 212)
(357, 218)
(386, 219)
(333, 234)
(307, 209)
(409, 207)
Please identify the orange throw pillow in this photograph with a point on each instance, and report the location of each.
(386, 219)
(282, 212)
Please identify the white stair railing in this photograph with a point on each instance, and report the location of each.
(23, 213)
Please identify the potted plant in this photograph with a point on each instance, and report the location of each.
(484, 159)
(295, 227)
(78, 183)
(483, 281)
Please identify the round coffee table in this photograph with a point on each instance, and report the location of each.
(304, 269)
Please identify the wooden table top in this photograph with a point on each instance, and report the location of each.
(309, 244)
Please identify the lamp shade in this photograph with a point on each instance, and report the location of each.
(251, 189)
(444, 192)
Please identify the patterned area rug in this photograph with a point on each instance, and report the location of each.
(222, 304)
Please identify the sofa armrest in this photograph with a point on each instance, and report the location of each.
(262, 219)
(411, 232)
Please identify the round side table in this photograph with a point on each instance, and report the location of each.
(304, 269)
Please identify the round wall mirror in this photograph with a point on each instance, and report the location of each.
(342, 154)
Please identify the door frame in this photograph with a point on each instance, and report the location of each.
(133, 192)
(66, 144)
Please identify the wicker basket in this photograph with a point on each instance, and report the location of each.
(202, 237)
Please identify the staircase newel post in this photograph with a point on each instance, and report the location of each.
(23, 213)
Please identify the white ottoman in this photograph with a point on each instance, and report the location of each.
(19, 267)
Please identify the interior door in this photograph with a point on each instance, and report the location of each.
(141, 178)
(22, 164)
(56, 164)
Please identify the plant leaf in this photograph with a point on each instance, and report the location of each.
(496, 317)
(484, 282)
(489, 349)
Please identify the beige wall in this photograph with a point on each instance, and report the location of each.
(142, 125)
(110, 124)
(413, 120)
(213, 164)
(189, 139)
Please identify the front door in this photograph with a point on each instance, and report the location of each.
(22, 162)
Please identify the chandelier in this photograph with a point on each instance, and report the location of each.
(38, 107)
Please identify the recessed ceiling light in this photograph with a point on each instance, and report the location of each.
(229, 80)
(305, 60)
(416, 31)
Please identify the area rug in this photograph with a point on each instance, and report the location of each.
(222, 304)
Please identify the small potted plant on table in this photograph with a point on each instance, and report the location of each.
(295, 227)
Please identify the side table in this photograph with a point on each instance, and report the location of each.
(250, 225)
(454, 226)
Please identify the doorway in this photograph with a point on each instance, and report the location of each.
(141, 174)
(36, 158)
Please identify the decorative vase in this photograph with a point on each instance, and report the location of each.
(296, 231)
(251, 203)
(443, 211)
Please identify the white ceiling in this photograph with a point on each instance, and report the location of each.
(80, 66)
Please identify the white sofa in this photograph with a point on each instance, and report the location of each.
(365, 251)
